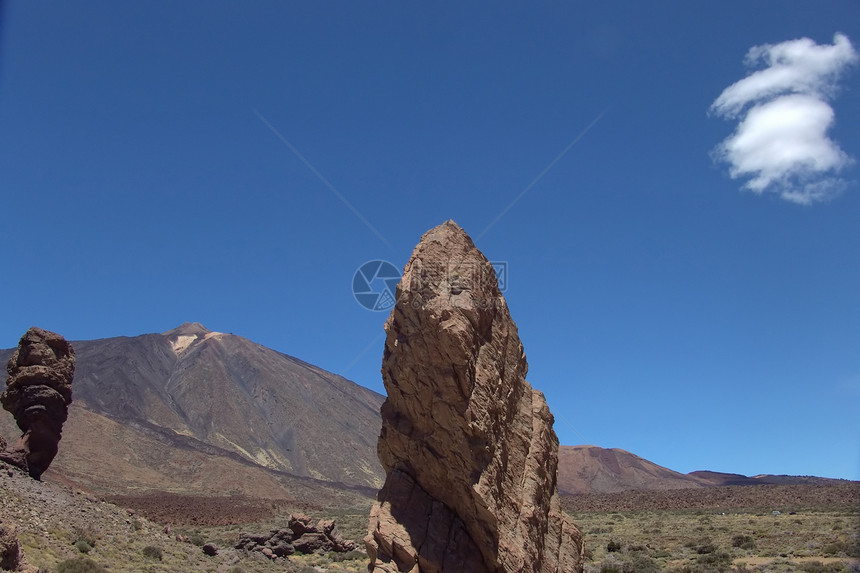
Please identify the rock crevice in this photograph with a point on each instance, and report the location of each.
(467, 445)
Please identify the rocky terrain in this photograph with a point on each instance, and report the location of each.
(52, 524)
(467, 444)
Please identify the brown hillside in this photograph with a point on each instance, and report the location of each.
(591, 469)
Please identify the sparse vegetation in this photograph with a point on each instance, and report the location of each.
(819, 567)
(80, 565)
(748, 541)
(87, 535)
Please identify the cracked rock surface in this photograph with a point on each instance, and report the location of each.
(467, 444)
(38, 393)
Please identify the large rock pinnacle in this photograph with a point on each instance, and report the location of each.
(38, 393)
(467, 445)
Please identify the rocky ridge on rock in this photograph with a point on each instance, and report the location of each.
(467, 445)
(38, 393)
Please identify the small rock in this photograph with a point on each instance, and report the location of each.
(210, 549)
(268, 553)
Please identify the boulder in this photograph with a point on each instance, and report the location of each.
(300, 524)
(210, 549)
(38, 393)
(312, 542)
(467, 444)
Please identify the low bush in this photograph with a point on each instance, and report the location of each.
(705, 548)
(348, 556)
(715, 561)
(743, 542)
(152, 552)
(84, 534)
(83, 546)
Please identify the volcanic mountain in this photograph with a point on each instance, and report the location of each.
(191, 409)
(202, 412)
(592, 469)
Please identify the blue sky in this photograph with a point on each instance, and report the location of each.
(685, 277)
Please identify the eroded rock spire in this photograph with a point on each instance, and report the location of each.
(467, 445)
(38, 393)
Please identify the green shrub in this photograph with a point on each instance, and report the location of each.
(743, 542)
(705, 548)
(152, 552)
(639, 563)
(613, 546)
(80, 565)
(715, 561)
(83, 546)
(197, 539)
(348, 556)
(839, 548)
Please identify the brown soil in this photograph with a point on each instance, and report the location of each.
(175, 509)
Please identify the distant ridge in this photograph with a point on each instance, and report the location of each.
(592, 469)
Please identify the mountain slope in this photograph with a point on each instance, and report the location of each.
(591, 469)
(218, 395)
(195, 411)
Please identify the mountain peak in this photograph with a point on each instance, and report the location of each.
(187, 334)
(188, 329)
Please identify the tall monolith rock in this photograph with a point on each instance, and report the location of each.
(467, 444)
(38, 393)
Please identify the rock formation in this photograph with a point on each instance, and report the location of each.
(12, 557)
(467, 445)
(9, 547)
(38, 393)
(299, 535)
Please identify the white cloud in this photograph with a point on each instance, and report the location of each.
(781, 141)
